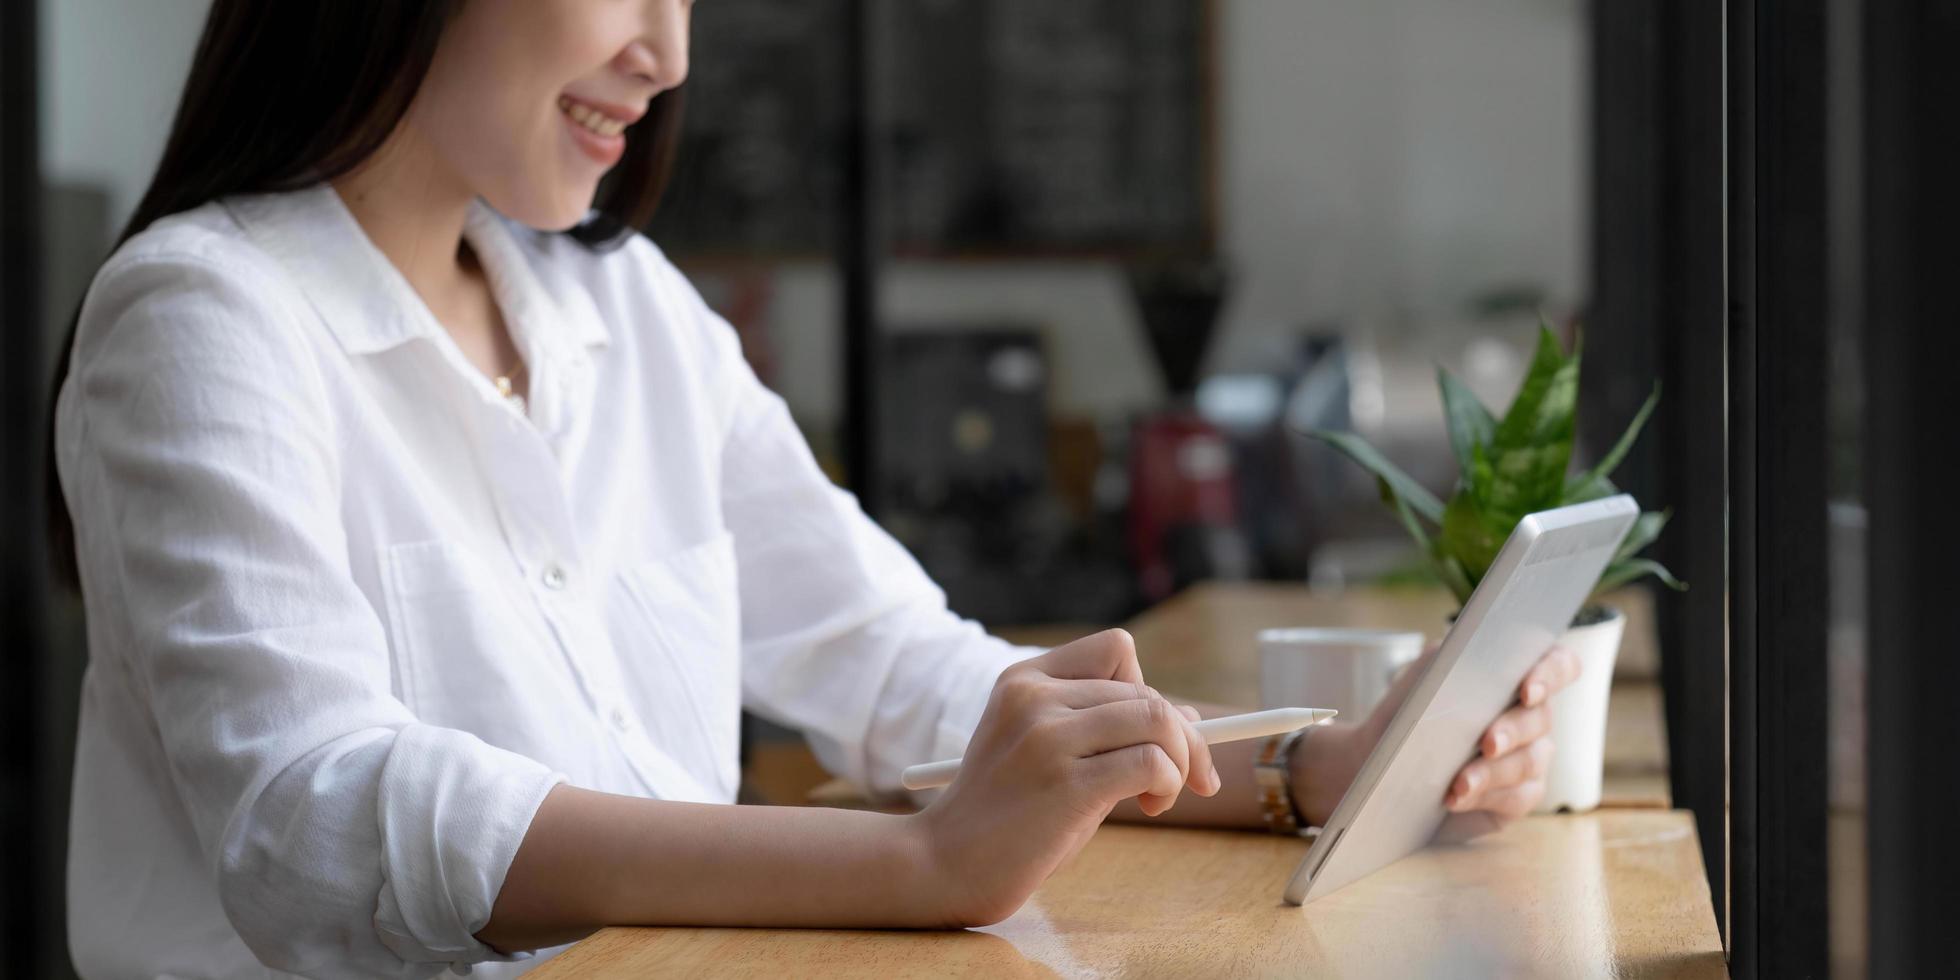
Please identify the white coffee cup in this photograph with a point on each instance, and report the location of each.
(1348, 670)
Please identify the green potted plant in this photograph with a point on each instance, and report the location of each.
(1507, 468)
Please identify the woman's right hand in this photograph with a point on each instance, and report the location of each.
(1065, 737)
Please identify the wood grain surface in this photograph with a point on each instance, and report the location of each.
(1615, 893)
(1203, 643)
(1620, 892)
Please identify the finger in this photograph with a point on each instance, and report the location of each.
(1080, 694)
(1108, 655)
(1512, 802)
(1476, 781)
(1548, 676)
(1203, 777)
(1025, 692)
(1121, 724)
(1514, 728)
(1200, 772)
(1141, 771)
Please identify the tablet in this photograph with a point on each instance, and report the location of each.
(1541, 577)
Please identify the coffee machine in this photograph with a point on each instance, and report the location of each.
(1183, 499)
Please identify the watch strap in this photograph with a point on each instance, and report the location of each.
(1272, 771)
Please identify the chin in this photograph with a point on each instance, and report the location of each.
(562, 219)
(560, 213)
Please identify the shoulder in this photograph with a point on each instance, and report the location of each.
(190, 293)
(202, 253)
(204, 247)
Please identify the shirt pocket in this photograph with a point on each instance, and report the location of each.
(466, 655)
(680, 644)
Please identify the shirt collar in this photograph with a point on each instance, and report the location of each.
(546, 313)
(370, 307)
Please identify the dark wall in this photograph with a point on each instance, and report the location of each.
(1659, 309)
(1912, 208)
(28, 929)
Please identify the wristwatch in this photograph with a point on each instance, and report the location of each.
(1272, 771)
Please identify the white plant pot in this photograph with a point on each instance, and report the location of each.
(1579, 716)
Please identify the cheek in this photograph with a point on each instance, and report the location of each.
(489, 105)
(509, 146)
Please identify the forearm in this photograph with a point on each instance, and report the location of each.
(594, 859)
(1321, 775)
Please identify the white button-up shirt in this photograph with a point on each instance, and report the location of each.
(351, 613)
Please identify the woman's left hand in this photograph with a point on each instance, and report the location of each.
(1504, 782)
(1507, 778)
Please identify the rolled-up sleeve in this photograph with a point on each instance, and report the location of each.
(199, 457)
(844, 636)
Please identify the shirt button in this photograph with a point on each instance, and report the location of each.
(619, 720)
(554, 577)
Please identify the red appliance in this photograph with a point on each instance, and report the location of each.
(1183, 500)
(1183, 506)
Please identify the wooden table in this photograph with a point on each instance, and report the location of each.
(1209, 633)
(1617, 893)
(1203, 643)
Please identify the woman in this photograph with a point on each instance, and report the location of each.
(433, 534)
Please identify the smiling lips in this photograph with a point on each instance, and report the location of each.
(591, 118)
(598, 132)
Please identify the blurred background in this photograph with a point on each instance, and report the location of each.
(1125, 247)
(1056, 288)
(1122, 253)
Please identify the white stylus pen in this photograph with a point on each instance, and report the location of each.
(1233, 728)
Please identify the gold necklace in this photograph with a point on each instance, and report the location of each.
(507, 385)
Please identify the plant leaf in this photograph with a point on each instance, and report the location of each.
(1618, 454)
(1447, 568)
(1531, 449)
(1621, 572)
(1470, 423)
(1472, 534)
(1483, 476)
(1580, 491)
(1454, 577)
(1407, 518)
(1527, 478)
(1403, 514)
(1645, 529)
(1405, 487)
(1538, 409)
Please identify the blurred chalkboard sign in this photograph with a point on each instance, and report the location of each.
(1011, 126)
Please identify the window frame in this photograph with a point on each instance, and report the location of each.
(1779, 560)
(28, 925)
(1910, 106)
(1710, 271)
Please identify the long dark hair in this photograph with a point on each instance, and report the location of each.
(283, 94)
